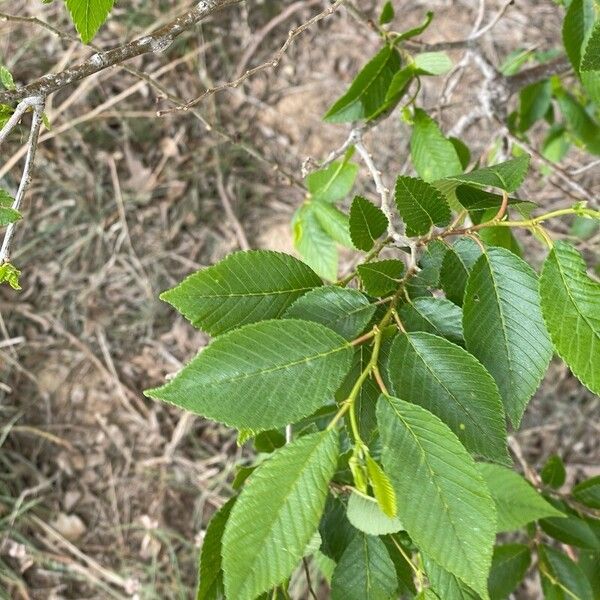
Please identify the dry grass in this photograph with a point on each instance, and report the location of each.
(103, 493)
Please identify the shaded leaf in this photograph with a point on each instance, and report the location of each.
(283, 500)
(534, 102)
(367, 223)
(553, 472)
(456, 267)
(446, 585)
(420, 205)
(345, 310)
(335, 529)
(577, 23)
(507, 175)
(572, 531)
(381, 277)
(562, 579)
(365, 571)
(588, 492)
(433, 315)
(387, 13)
(509, 566)
(262, 376)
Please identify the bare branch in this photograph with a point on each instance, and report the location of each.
(37, 104)
(158, 41)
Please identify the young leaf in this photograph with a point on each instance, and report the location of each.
(517, 502)
(411, 33)
(432, 63)
(387, 13)
(381, 277)
(210, 574)
(88, 16)
(367, 223)
(365, 571)
(591, 54)
(430, 468)
(365, 514)
(509, 565)
(333, 183)
(433, 156)
(570, 300)
(434, 315)
(503, 326)
(335, 529)
(333, 222)
(316, 247)
(345, 310)
(446, 380)
(580, 124)
(507, 175)
(243, 288)
(382, 487)
(562, 579)
(262, 376)
(10, 274)
(6, 78)
(281, 503)
(588, 492)
(420, 205)
(456, 267)
(8, 215)
(366, 95)
(553, 473)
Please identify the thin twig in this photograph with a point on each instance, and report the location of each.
(37, 104)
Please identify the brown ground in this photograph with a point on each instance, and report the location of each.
(104, 493)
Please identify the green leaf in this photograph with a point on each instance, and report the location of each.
(446, 585)
(577, 24)
(517, 502)
(553, 472)
(446, 380)
(432, 63)
(430, 263)
(464, 154)
(387, 13)
(281, 503)
(366, 95)
(335, 529)
(434, 315)
(411, 33)
(456, 267)
(503, 326)
(6, 200)
(365, 514)
(6, 79)
(591, 54)
(333, 222)
(8, 215)
(316, 247)
(10, 274)
(433, 156)
(579, 123)
(269, 441)
(562, 579)
(510, 563)
(210, 574)
(570, 300)
(507, 175)
(381, 277)
(88, 16)
(534, 102)
(262, 376)
(367, 223)
(420, 205)
(430, 468)
(398, 87)
(333, 183)
(501, 237)
(382, 487)
(345, 310)
(572, 531)
(479, 201)
(365, 571)
(243, 288)
(588, 492)
(588, 563)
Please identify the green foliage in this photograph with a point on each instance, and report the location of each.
(88, 16)
(10, 274)
(370, 399)
(570, 304)
(7, 213)
(261, 521)
(591, 56)
(6, 79)
(367, 223)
